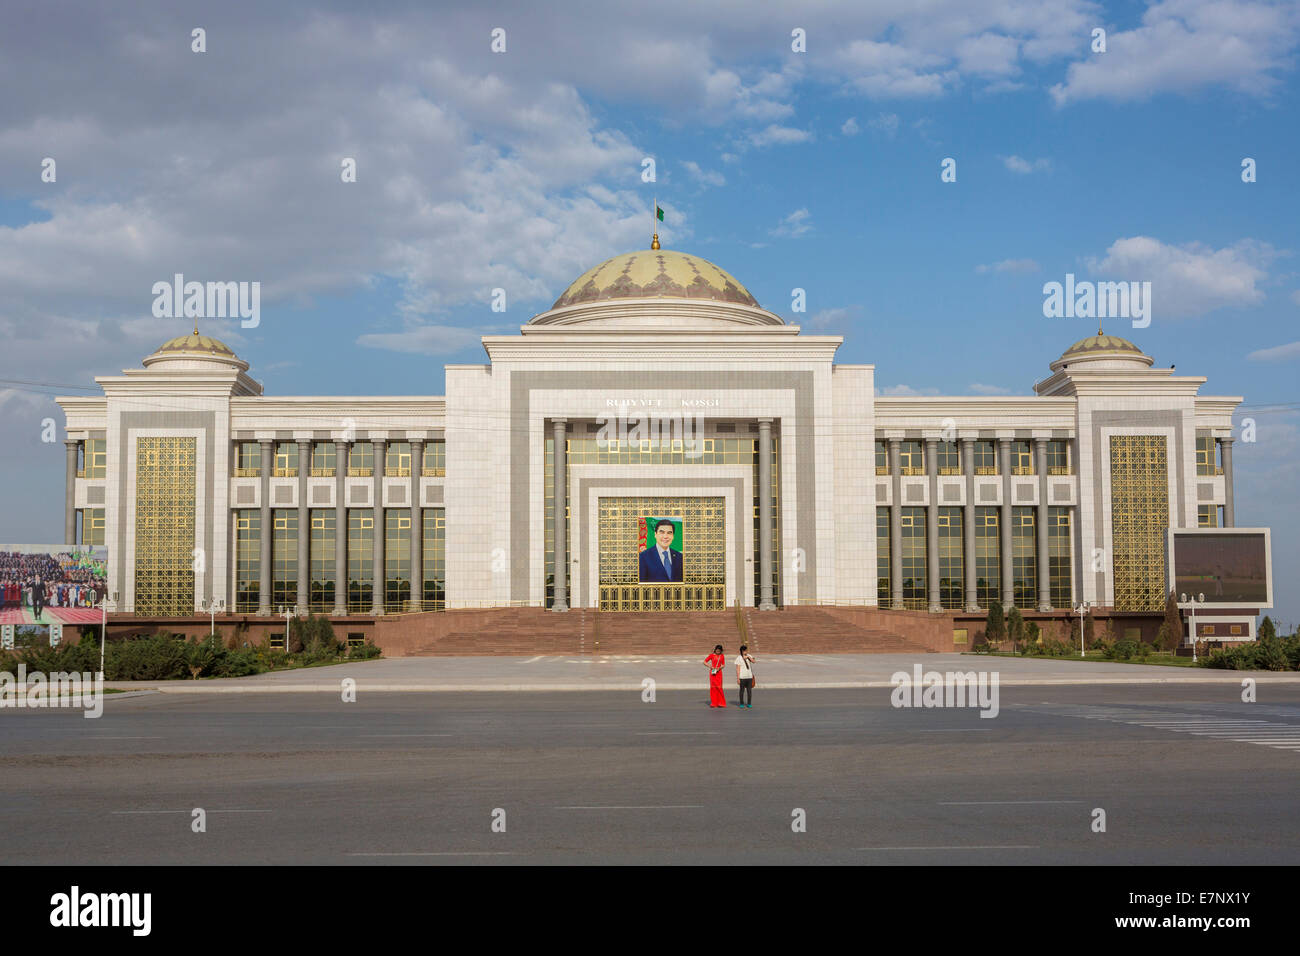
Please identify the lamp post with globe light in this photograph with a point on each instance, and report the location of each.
(1191, 601)
(1082, 608)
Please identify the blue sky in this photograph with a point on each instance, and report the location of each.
(817, 170)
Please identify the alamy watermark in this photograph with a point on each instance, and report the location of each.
(208, 300)
(60, 689)
(951, 689)
(1098, 300)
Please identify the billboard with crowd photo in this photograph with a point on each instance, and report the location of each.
(51, 583)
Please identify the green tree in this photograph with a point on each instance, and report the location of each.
(995, 629)
(1173, 626)
(1015, 627)
(1267, 631)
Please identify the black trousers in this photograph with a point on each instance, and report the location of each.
(746, 687)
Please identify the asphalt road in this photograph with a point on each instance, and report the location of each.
(602, 777)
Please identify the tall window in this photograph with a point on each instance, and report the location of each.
(248, 459)
(1024, 557)
(911, 458)
(397, 555)
(324, 459)
(882, 458)
(988, 557)
(284, 559)
(435, 559)
(324, 542)
(398, 461)
(952, 582)
(92, 526)
(1058, 457)
(1207, 516)
(361, 459)
(1207, 456)
(361, 559)
(949, 458)
(286, 459)
(96, 463)
(1059, 566)
(248, 559)
(912, 557)
(1022, 458)
(986, 458)
(882, 557)
(435, 458)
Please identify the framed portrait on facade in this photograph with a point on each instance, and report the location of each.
(660, 542)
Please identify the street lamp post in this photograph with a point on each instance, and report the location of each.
(1191, 601)
(1082, 608)
(288, 612)
(103, 628)
(212, 607)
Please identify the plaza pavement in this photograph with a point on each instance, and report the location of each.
(622, 673)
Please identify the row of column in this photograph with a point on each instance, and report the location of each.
(342, 449)
(559, 436)
(968, 524)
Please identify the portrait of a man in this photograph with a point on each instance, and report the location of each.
(660, 561)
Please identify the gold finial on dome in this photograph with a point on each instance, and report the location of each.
(654, 241)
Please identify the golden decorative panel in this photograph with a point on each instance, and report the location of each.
(1139, 509)
(704, 551)
(164, 526)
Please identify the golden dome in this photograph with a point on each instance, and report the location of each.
(195, 344)
(1101, 342)
(184, 350)
(649, 273)
(1104, 349)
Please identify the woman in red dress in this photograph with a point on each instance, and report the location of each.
(715, 662)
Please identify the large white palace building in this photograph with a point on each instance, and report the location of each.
(655, 386)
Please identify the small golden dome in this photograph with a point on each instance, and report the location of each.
(647, 273)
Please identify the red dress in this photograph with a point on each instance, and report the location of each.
(716, 662)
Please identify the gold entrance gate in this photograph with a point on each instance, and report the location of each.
(704, 555)
(1139, 505)
(164, 526)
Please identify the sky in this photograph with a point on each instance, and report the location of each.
(797, 146)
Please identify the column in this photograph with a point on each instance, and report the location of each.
(417, 525)
(380, 449)
(266, 532)
(895, 528)
(1004, 466)
(340, 528)
(968, 524)
(559, 428)
(304, 526)
(70, 494)
(1229, 519)
(765, 602)
(1044, 578)
(932, 525)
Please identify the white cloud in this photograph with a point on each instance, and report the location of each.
(793, 226)
(980, 389)
(1188, 280)
(1010, 265)
(850, 127)
(704, 176)
(435, 340)
(886, 124)
(906, 390)
(1187, 45)
(826, 318)
(779, 135)
(1024, 166)
(1278, 353)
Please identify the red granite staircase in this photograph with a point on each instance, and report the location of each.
(829, 630)
(529, 631)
